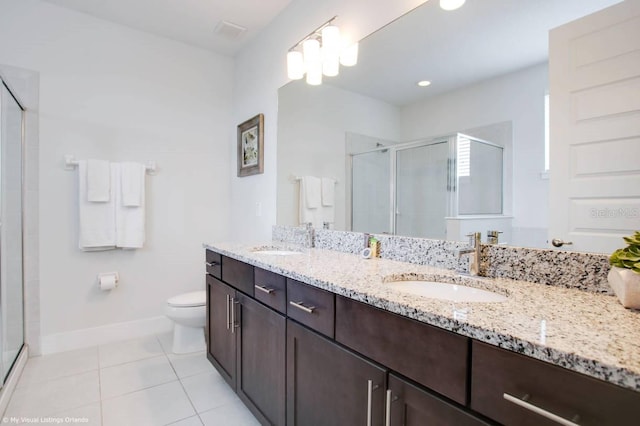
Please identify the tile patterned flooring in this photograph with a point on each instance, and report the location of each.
(135, 382)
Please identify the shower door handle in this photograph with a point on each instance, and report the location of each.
(556, 242)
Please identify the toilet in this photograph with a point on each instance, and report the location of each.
(188, 312)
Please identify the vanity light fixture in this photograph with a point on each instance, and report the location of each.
(424, 83)
(451, 4)
(321, 53)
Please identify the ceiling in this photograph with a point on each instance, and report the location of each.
(481, 40)
(189, 21)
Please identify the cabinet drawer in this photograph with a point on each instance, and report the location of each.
(311, 306)
(238, 274)
(214, 264)
(431, 356)
(270, 289)
(497, 372)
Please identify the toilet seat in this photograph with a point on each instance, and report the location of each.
(187, 300)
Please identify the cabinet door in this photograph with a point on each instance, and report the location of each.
(329, 385)
(221, 349)
(261, 360)
(410, 405)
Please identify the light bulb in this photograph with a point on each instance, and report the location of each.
(295, 65)
(330, 50)
(451, 4)
(312, 61)
(349, 55)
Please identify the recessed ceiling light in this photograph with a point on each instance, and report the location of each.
(424, 83)
(451, 4)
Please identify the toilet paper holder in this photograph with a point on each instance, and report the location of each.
(108, 280)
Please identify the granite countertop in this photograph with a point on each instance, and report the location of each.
(582, 331)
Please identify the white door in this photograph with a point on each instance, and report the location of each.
(594, 86)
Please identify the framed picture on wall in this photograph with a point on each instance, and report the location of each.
(251, 146)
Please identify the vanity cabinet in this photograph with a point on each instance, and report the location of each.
(299, 355)
(517, 390)
(329, 385)
(247, 342)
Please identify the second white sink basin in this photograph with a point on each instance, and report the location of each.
(446, 291)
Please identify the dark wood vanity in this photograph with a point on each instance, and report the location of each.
(300, 355)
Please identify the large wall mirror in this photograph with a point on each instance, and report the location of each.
(469, 152)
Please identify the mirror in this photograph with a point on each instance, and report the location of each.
(487, 63)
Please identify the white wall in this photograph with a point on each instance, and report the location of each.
(261, 70)
(313, 123)
(110, 92)
(517, 97)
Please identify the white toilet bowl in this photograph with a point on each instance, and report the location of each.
(188, 311)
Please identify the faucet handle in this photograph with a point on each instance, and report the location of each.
(493, 237)
(474, 238)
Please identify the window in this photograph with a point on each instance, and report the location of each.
(464, 157)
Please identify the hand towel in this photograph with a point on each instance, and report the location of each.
(132, 177)
(97, 225)
(328, 191)
(310, 191)
(98, 181)
(130, 221)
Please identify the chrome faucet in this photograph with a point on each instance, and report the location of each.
(474, 251)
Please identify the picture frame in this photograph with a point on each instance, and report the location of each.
(251, 146)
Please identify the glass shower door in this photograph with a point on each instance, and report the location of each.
(422, 190)
(370, 197)
(11, 273)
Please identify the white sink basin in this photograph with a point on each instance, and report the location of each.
(446, 291)
(276, 252)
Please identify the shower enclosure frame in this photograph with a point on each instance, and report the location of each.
(8, 370)
(452, 202)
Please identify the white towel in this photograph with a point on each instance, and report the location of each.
(98, 181)
(97, 224)
(312, 191)
(328, 191)
(130, 221)
(308, 214)
(132, 183)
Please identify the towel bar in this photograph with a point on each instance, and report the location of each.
(71, 163)
(296, 178)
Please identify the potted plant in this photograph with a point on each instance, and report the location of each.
(624, 276)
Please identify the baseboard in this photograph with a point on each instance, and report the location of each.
(12, 379)
(77, 339)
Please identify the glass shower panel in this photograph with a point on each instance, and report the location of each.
(479, 168)
(422, 196)
(11, 292)
(370, 199)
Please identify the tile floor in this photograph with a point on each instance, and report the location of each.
(135, 382)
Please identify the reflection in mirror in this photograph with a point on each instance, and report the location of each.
(488, 66)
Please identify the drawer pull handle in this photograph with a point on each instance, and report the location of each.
(300, 305)
(212, 263)
(544, 413)
(369, 400)
(387, 420)
(234, 325)
(264, 289)
(228, 316)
